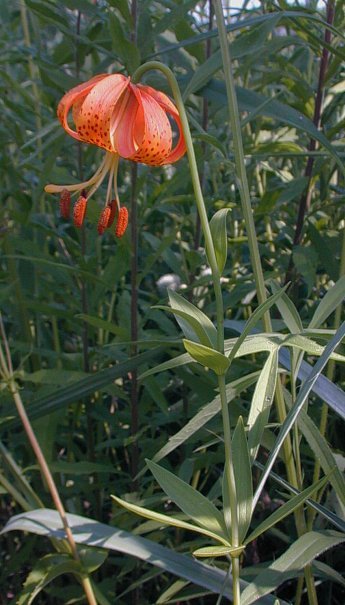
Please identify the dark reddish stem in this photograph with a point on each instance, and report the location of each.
(134, 295)
(84, 300)
(134, 327)
(305, 200)
(85, 303)
(134, 313)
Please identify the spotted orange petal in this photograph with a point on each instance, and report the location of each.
(73, 95)
(92, 117)
(156, 141)
(180, 148)
(126, 125)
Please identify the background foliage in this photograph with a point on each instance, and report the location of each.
(66, 294)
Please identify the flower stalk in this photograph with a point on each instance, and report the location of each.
(211, 255)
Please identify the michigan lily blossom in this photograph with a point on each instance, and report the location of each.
(127, 120)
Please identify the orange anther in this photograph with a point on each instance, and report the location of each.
(104, 220)
(79, 211)
(122, 222)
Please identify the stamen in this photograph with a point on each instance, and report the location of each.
(78, 186)
(107, 167)
(103, 221)
(65, 203)
(116, 167)
(110, 181)
(122, 222)
(79, 211)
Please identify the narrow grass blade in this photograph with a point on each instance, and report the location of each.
(301, 553)
(286, 509)
(300, 401)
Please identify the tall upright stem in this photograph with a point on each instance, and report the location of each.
(242, 183)
(197, 190)
(228, 467)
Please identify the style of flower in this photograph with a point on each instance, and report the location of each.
(127, 120)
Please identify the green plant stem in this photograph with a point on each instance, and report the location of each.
(248, 216)
(197, 190)
(235, 572)
(242, 183)
(299, 590)
(229, 470)
(228, 467)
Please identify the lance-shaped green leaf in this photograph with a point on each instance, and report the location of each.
(45, 571)
(226, 499)
(191, 502)
(286, 509)
(209, 358)
(253, 343)
(287, 310)
(301, 553)
(329, 303)
(243, 478)
(326, 572)
(311, 347)
(327, 514)
(192, 321)
(216, 551)
(46, 522)
(77, 390)
(168, 520)
(261, 403)
(219, 236)
(204, 415)
(323, 453)
(254, 319)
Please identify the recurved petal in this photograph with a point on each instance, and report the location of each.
(93, 115)
(167, 105)
(126, 124)
(71, 97)
(161, 98)
(180, 148)
(154, 130)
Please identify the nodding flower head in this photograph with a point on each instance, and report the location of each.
(127, 120)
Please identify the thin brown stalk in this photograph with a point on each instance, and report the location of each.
(8, 376)
(305, 201)
(134, 294)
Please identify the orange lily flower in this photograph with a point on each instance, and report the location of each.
(127, 120)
